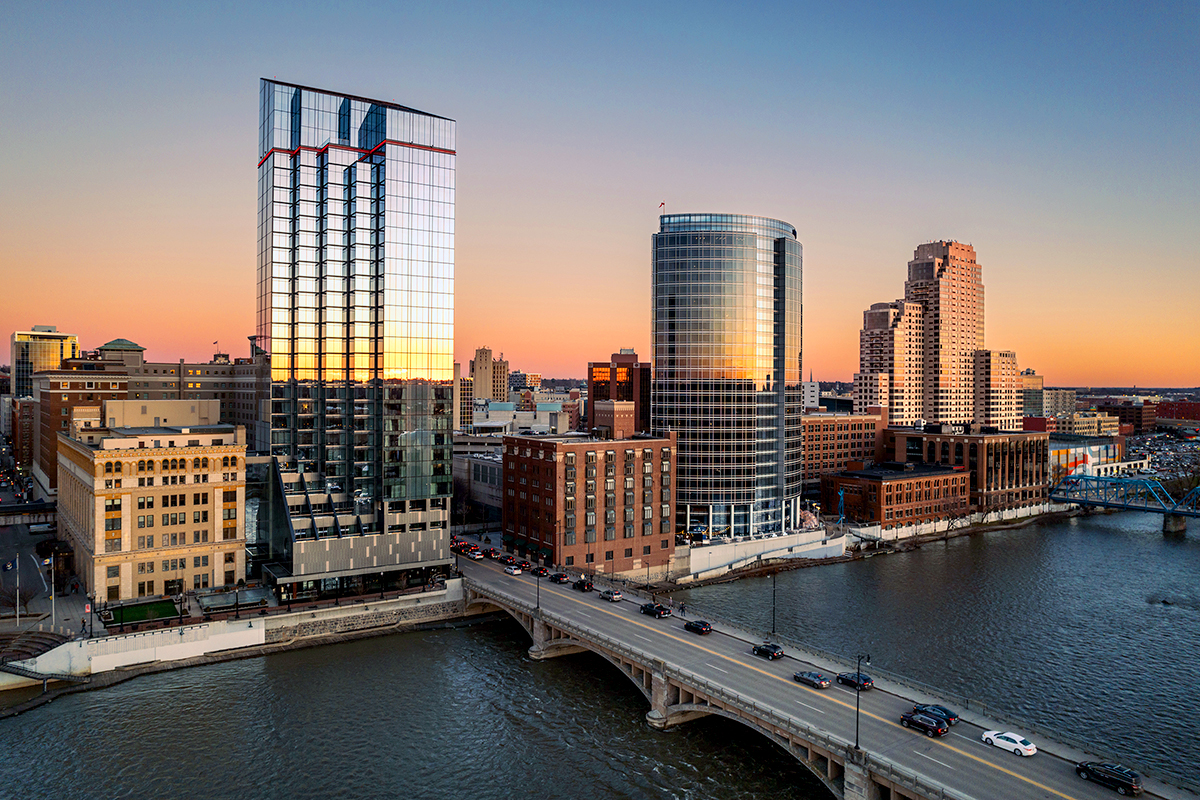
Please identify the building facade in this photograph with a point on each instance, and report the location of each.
(152, 509)
(1007, 469)
(1032, 386)
(1089, 423)
(726, 328)
(622, 378)
(1142, 416)
(926, 352)
(1058, 402)
(895, 494)
(489, 375)
(832, 441)
(356, 317)
(38, 350)
(595, 505)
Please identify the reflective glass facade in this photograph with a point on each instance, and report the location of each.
(35, 351)
(356, 312)
(727, 368)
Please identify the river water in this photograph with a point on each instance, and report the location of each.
(1062, 623)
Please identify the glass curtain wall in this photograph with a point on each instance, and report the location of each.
(356, 303)
(727, 369)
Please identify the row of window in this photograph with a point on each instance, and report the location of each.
(608, 554)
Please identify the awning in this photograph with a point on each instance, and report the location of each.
(546, 551)
(506, 538)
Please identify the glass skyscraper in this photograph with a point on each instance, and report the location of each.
(727, 369)
(356, 317)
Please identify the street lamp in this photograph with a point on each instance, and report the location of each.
(858, 692)
(538, 580)
(773, 574)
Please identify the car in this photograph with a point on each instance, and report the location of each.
(1007, 740)
(560, 577)
(768, 651)
(491, 552)
(858, 680)
(539, 572)
(525, 565)
(941, 712)
(697, 626)
(1114, 776)
(512, 570)
(612, 595)
(931, 725)
(509, 560)
(583, 585)
(656, 610)
(817, 680)
(475, 555)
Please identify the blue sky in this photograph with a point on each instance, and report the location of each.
(1059, 139)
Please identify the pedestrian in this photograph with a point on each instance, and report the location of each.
(682, 609)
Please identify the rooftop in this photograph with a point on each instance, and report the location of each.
(895, 470)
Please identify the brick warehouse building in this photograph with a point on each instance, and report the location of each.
(895, 494)
(596, 505)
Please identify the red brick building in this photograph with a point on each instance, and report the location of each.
(896, 494)
(24, 423)
(622, 377)
(832, 441)
(1143, 417)
(1178, 409)
(57, 392)
(595, 505)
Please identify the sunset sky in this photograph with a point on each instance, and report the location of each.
(1061, 140)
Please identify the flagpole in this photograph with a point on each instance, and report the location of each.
(53, 613)
(18, 561)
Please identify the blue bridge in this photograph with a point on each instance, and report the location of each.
(1129, 494)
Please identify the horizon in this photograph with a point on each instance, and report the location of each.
(1021, 131)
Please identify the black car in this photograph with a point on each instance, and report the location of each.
(858, 680)
(491, 552)
(698, 626)
(814, 679)
(539, 572)
(584, 585)
(656, 610)
(560, 577)
(507, 561)
(932, 726)
(941, 712)
(1114, 776)
(768, 651)
(525, 566)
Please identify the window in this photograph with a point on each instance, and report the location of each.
(113, 572)
(665, 544)
(646, 550)
(629, 552)
(608, 555)
(230, 558)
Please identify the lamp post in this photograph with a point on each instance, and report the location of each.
(773, 574)
(538, 580)
(858, 692)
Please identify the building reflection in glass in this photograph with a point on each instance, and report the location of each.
(356, 317)
(727, 368)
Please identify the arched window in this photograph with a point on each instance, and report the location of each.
(108, 468)
(166, 465)
(150, 465)
(118, 468)
(204, 463)
(233, 462)
(141, 466)
(195, 463)
(174, 463)
(225, 461)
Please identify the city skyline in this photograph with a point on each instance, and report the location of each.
(1025, 135)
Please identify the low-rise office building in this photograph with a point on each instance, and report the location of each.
(833, 440)
(1142, 416)
(152, 509)
(1008, 469)
(895, 494)
(600, 505)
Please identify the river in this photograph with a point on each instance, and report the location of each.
(1062, 623)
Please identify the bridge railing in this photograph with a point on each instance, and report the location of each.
(769, 717)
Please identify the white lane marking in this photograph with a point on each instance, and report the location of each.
(37, 567)
(718, 669)
(934, 760)
(814, 708)
(643, 638)
(969, 738)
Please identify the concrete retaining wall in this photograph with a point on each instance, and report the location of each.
(714, 560)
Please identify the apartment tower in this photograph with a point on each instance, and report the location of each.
(356, 316)
(726, 368)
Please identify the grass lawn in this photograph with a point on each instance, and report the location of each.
(158, 609)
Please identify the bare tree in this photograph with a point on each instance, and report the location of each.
(8, 596)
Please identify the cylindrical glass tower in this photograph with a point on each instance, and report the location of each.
(727, 366)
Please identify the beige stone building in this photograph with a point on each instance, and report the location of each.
(1089, 423)
(152, 497)
(489, 376)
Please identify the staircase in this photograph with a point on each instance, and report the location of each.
(26, 645)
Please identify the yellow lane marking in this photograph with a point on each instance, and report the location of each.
(692, 643)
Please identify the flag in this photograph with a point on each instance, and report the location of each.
(663, 204)
(9, 566)
(216, 342)
(47, 561)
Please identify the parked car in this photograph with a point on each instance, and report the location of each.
(858, 680)
(539, 572)
(1007, 740)
(930, 725)
(1114, 776)
(816, 680)
(584, 585)
(941, 712)
(512, 570)
(656, 610)
(698, 626)
(768, 650)
(612, 595)
(560, 577)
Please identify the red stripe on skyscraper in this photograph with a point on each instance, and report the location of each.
(354, 149)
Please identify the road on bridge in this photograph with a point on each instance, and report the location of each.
(959, 761)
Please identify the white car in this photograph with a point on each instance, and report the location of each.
(511, 570)
(1007, 740)
(475, 554)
